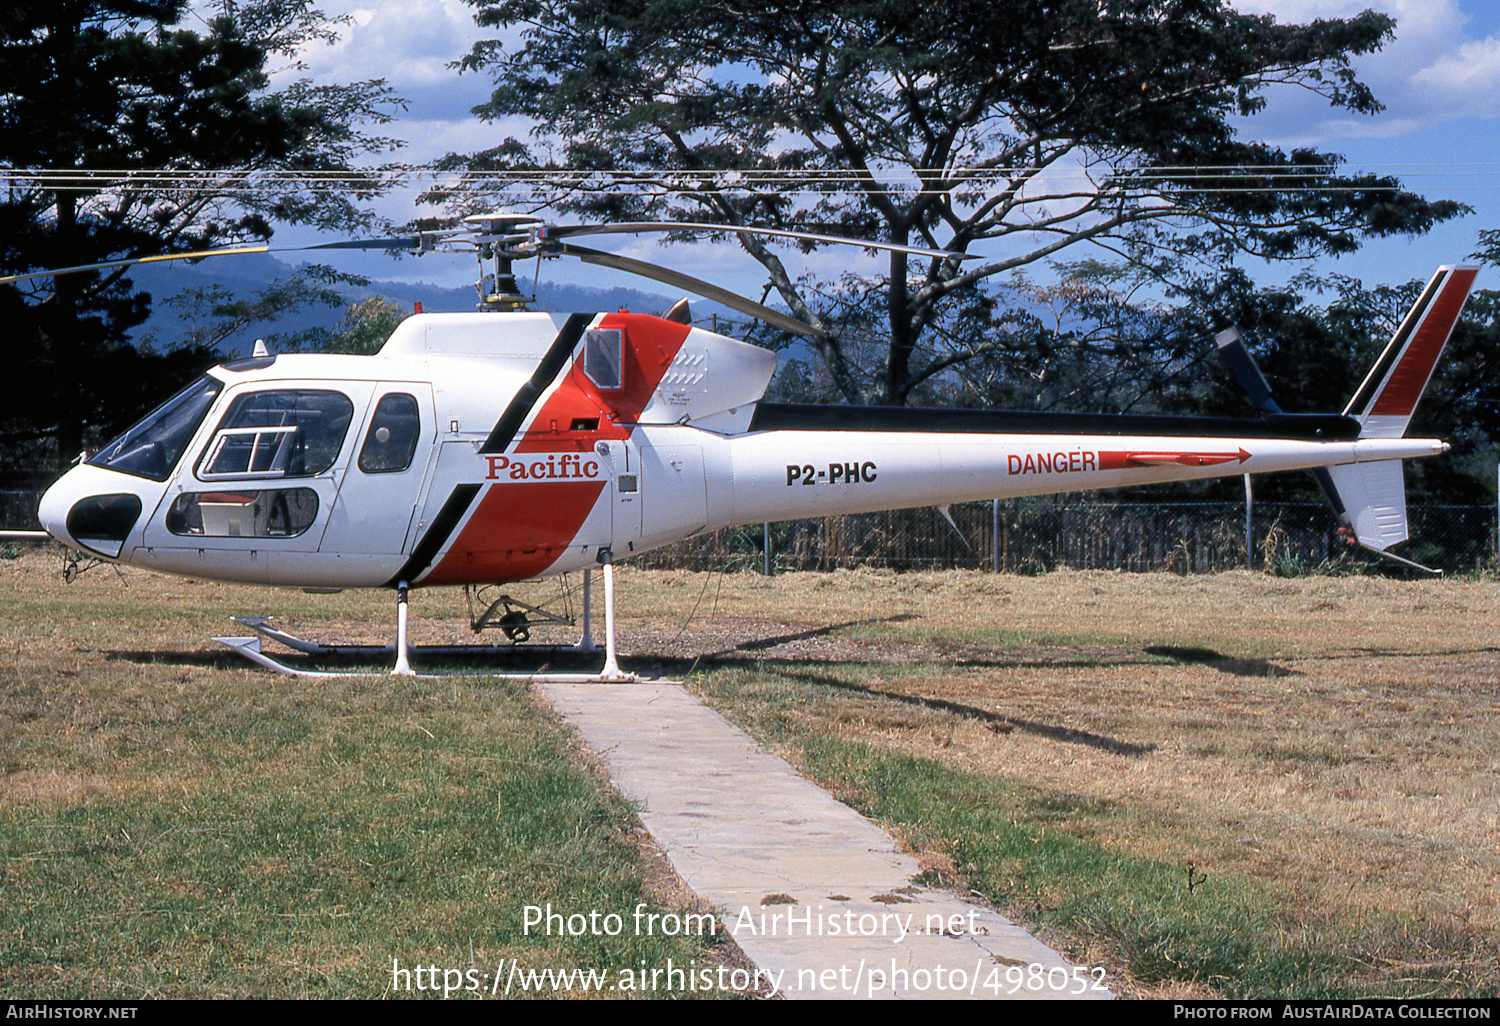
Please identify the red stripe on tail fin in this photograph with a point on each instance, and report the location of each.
(1414, 368)
(1396, 383)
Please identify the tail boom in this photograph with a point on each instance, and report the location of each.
(834, 472)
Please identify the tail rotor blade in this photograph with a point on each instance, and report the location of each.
(1245, 370)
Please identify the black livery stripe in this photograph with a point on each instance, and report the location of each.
(552, 363)
(795, 417)
(516, 412)
(437, 535)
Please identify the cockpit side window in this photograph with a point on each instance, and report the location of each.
(284, 433)
(392, 438)
(153, 446)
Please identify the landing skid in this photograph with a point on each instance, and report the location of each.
(250, 647)
(251, 650)
(260, 625)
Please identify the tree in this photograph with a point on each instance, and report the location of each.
(1083, 343)
(216, 315)
(1015, 130)
(365, 327)
(125, 135)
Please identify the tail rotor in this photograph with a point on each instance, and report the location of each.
(1369, 499)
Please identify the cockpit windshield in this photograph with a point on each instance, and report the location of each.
(153, 446)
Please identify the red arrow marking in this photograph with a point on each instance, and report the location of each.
(1127, 460)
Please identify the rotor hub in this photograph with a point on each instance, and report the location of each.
(505, 230)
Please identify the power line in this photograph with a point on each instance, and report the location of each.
(1179, 180)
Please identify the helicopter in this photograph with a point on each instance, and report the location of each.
(507, 444)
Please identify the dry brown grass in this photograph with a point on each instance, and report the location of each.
(1335, 738)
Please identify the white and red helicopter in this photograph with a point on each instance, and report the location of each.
(494, 447)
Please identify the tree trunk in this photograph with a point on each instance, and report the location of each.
(67, 353)
(898, 360)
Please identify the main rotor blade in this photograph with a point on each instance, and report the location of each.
(563, 231)
(403, 242)
(80, 268)
(396, 242)
(690, 284)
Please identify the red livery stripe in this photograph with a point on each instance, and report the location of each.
(1409, 378)
(651, 344)
(518, 531)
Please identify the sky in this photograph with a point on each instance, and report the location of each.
(1439, 81)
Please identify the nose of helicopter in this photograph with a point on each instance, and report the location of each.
(82, 511)
(53, 511)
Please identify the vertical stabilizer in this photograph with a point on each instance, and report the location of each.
(1389, 394)
(1374, 496)
(1370, 498)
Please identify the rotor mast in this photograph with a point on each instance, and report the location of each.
(503, 238)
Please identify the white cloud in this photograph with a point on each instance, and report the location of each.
(1467, 79)
(408, 37)
(412, 45)
(1431, 71)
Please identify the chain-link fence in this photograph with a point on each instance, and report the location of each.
(1033, 536)
(18, 509)
(1036, 535)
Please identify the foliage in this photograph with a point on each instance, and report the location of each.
(365, 327)
(1084, 343)
(1014, 130)
(216, 315)
(123, 134)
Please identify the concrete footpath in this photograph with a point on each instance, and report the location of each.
(819, 898)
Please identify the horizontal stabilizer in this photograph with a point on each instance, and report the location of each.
(1115, 460)
(1110, 459)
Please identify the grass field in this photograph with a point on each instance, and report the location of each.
(1236, 785)
(174, 825)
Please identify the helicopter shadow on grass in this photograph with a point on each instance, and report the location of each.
(796, 668)
(1366, 652)
(498, 660)
(1001, 723)
(521, 659)
(1180, 654)
(532, 661)
(1192, 655)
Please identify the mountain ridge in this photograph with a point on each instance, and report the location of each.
(243, 276)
